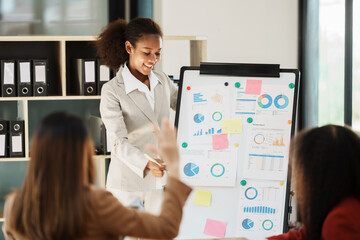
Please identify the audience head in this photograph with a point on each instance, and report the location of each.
(326, 166)
(52, 202)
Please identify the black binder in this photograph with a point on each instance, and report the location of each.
(104, 75)
(8, 78)
(86, 76)
(24, 83)
(17, 139)
(105, 142)
(95, 133)
(40, 77)
(4, 136)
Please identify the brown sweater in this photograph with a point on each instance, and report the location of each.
(114, 220)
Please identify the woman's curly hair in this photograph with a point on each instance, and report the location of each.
(111, 42)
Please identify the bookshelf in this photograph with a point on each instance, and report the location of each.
(59, 51)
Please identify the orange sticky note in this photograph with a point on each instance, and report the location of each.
(253, 87)
(215, 228)
(220, 141)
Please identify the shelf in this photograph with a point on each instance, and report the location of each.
(47, 98)
(47, 38)
(85, 38)
(185, 38)
(102, 156)
(23, 159)
(60, 52)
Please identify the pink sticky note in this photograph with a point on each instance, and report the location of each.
(220, 141)
(253, 87)
(215, 228)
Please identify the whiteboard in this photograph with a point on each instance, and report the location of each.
(233, 135)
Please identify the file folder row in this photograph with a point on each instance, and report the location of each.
(23, 78)
(12, 139)
(90, 76)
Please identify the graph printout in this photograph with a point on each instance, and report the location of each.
(234, 135)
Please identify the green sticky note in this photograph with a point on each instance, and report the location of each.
(202, 198)
(231, 125)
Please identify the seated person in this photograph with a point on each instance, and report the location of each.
(326, 167)
(58, 199)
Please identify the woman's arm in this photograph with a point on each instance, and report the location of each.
(116, 219)
(119, 220)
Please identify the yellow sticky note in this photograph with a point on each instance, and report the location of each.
(231, 125)
(202, 198)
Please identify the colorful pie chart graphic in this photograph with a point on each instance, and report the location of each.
(217, 170)
(265, 101)
(247, 223)
(217, 116)
(198, 118)
(267, 225)
(191, 169)
(251, 193)
(259, 139)
(281, 101)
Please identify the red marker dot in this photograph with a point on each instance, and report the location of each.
(188, 88)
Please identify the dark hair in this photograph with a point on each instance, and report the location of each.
(53, 201)
(111, 42)
(327, 162)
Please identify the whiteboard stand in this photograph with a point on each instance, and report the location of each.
(235, 122)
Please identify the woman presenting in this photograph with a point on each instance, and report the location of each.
(130, 103)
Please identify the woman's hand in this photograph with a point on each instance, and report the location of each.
(167, 147)
(155, 169)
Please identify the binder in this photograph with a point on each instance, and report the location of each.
(95, 133)
(105, 141)
(86, 76)
(40, 77)
(8, 78)
(104, 75)
(4, 134)
(24, 83)
(17, 139)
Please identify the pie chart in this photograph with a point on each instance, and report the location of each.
(259, 139)
(268, 225)
(217, 170)
(281, 101)
(251, 193)
(265, 101)
(191, 169)
(247, 223)
(198, 118)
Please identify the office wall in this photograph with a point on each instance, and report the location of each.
(256, 31)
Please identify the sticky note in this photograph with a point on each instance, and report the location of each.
(202, 198)
(253, 87)
(231, 125)
(215, 228)
(220, 141)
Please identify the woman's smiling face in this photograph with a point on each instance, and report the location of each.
(144, 56)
